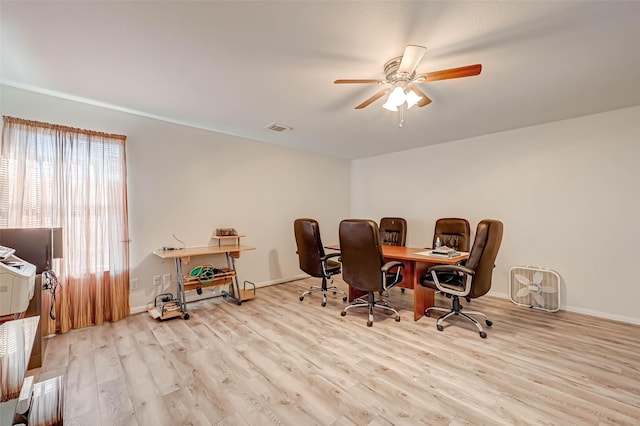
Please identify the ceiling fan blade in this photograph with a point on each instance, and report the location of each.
(357, 81)
(425, 99)
(373, 98)
(467, 71)
(411, 58)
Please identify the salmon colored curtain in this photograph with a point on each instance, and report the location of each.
(58, 176)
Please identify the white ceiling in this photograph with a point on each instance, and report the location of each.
(235, 67)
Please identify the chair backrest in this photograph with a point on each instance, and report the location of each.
(310, 249)
(393, 231)
(483, 255)
(361, 254)
(453, 232)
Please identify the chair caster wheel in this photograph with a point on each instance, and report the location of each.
(335, 292)
(343, 313)
(402, 290)
(186, 316)
(324, 303)
(439, 327)
(199, 290)
(369, 323)
(398, 319)
(427, 313)
(344, 299)
(483, 334)
(489, 323)
(301, 298)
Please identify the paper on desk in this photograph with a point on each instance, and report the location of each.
(431, 253)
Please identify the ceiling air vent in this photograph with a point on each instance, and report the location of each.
(278, 127)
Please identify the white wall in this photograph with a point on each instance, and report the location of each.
(188, 182)
(566, 191)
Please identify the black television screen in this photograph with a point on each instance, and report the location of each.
(35, 245)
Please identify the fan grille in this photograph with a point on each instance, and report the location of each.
(535, 287)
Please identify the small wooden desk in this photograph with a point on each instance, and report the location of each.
(415, 266)
(231, 252)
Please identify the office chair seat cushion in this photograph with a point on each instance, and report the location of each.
(333, 267)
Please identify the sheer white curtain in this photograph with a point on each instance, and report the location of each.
(57, 176)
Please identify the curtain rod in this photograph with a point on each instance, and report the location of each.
(15, 120)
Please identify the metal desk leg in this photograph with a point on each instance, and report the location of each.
(182, 298)
(234, 287)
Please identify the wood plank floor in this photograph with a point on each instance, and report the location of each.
(276, 360)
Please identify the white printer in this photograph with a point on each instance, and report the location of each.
(17, 282)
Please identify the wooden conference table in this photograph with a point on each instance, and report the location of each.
(416, 262)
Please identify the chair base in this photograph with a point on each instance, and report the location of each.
(456, 309)
(370, 303)
(324, 289)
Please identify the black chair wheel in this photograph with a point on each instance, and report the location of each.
(402, 290)
(343, 313)
(199, 290)
(324, 303)
(397, 319)
(489, 322)
(483, 334)
(301, 298)
(439, 327)
(427, 313)
(335, 292)
(344, 299)
(369, 323)
(186, 316)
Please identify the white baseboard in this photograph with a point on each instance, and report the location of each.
(590, 312)
(143, 308)
(578, 310)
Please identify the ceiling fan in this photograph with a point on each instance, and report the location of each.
(401, 80)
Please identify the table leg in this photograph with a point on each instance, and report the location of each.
(423, 297)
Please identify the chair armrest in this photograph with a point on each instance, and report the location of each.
(452, 268)
(329, 256)
(387, 266)
(385, 270)
(469, 273)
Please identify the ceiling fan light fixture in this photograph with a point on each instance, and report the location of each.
(412, 98)
(389, 106)
(397, 96)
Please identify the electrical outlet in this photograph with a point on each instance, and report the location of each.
(133, 284)
(156, 280)
(166, 280)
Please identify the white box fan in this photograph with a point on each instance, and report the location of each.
(534, 287)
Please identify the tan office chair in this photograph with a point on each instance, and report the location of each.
(393, 231)
(453, 232)
(473, 279)
(313, 259)
(363, 266)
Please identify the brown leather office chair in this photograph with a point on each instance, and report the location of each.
(313, 259)
(363, 266)
(393, 231)
(453, 232)
(472, 280)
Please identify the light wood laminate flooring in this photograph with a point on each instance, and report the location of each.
(276, 360)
